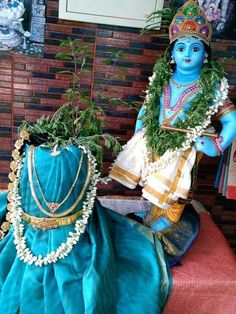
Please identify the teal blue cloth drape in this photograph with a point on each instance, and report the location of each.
(117, 266)
(3, 205)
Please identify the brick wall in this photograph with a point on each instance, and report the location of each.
(32, 86)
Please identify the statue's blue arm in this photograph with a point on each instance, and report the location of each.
(228, 134)
(139, 121)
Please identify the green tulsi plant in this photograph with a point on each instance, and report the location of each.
(71, 124)
(118, 73)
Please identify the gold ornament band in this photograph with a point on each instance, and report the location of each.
(172, 214)
(225, 109)
(224, 112)
(51, 223)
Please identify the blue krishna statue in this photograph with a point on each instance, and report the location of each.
(64, 252)
(187, 89)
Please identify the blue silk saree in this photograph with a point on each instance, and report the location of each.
(118, 265)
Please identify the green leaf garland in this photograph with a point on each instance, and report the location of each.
(159, 141)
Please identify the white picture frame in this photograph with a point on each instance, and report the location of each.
(131, 13)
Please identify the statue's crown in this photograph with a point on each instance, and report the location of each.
(190, 20)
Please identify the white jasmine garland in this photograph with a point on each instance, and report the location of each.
(23, 252)
(169, 158)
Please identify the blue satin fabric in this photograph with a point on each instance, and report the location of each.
(177, 239)
(180, 236)
(117, 266)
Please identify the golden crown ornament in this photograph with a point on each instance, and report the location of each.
(190, 20)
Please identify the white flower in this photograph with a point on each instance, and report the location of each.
(23, 252)
(27, 34)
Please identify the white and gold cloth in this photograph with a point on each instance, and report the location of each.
(162, 187)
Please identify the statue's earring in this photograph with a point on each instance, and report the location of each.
(205, 60)
(172, 60)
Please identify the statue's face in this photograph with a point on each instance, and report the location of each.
(189, 54)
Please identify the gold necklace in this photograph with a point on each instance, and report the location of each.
(51, 205)
(183, 85)
(71, 208)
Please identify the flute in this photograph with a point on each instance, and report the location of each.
(172, 128)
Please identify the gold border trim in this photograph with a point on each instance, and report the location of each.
(126, 173)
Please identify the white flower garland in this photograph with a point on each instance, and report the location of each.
(23, 252)
(169, 158)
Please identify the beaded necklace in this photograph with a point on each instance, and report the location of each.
(182, 100)
(183, 85)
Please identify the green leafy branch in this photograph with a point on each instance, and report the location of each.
(113, 61)
(78, 55)
(160, 19)
(70, 124)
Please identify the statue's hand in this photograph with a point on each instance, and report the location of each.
(205, 145)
